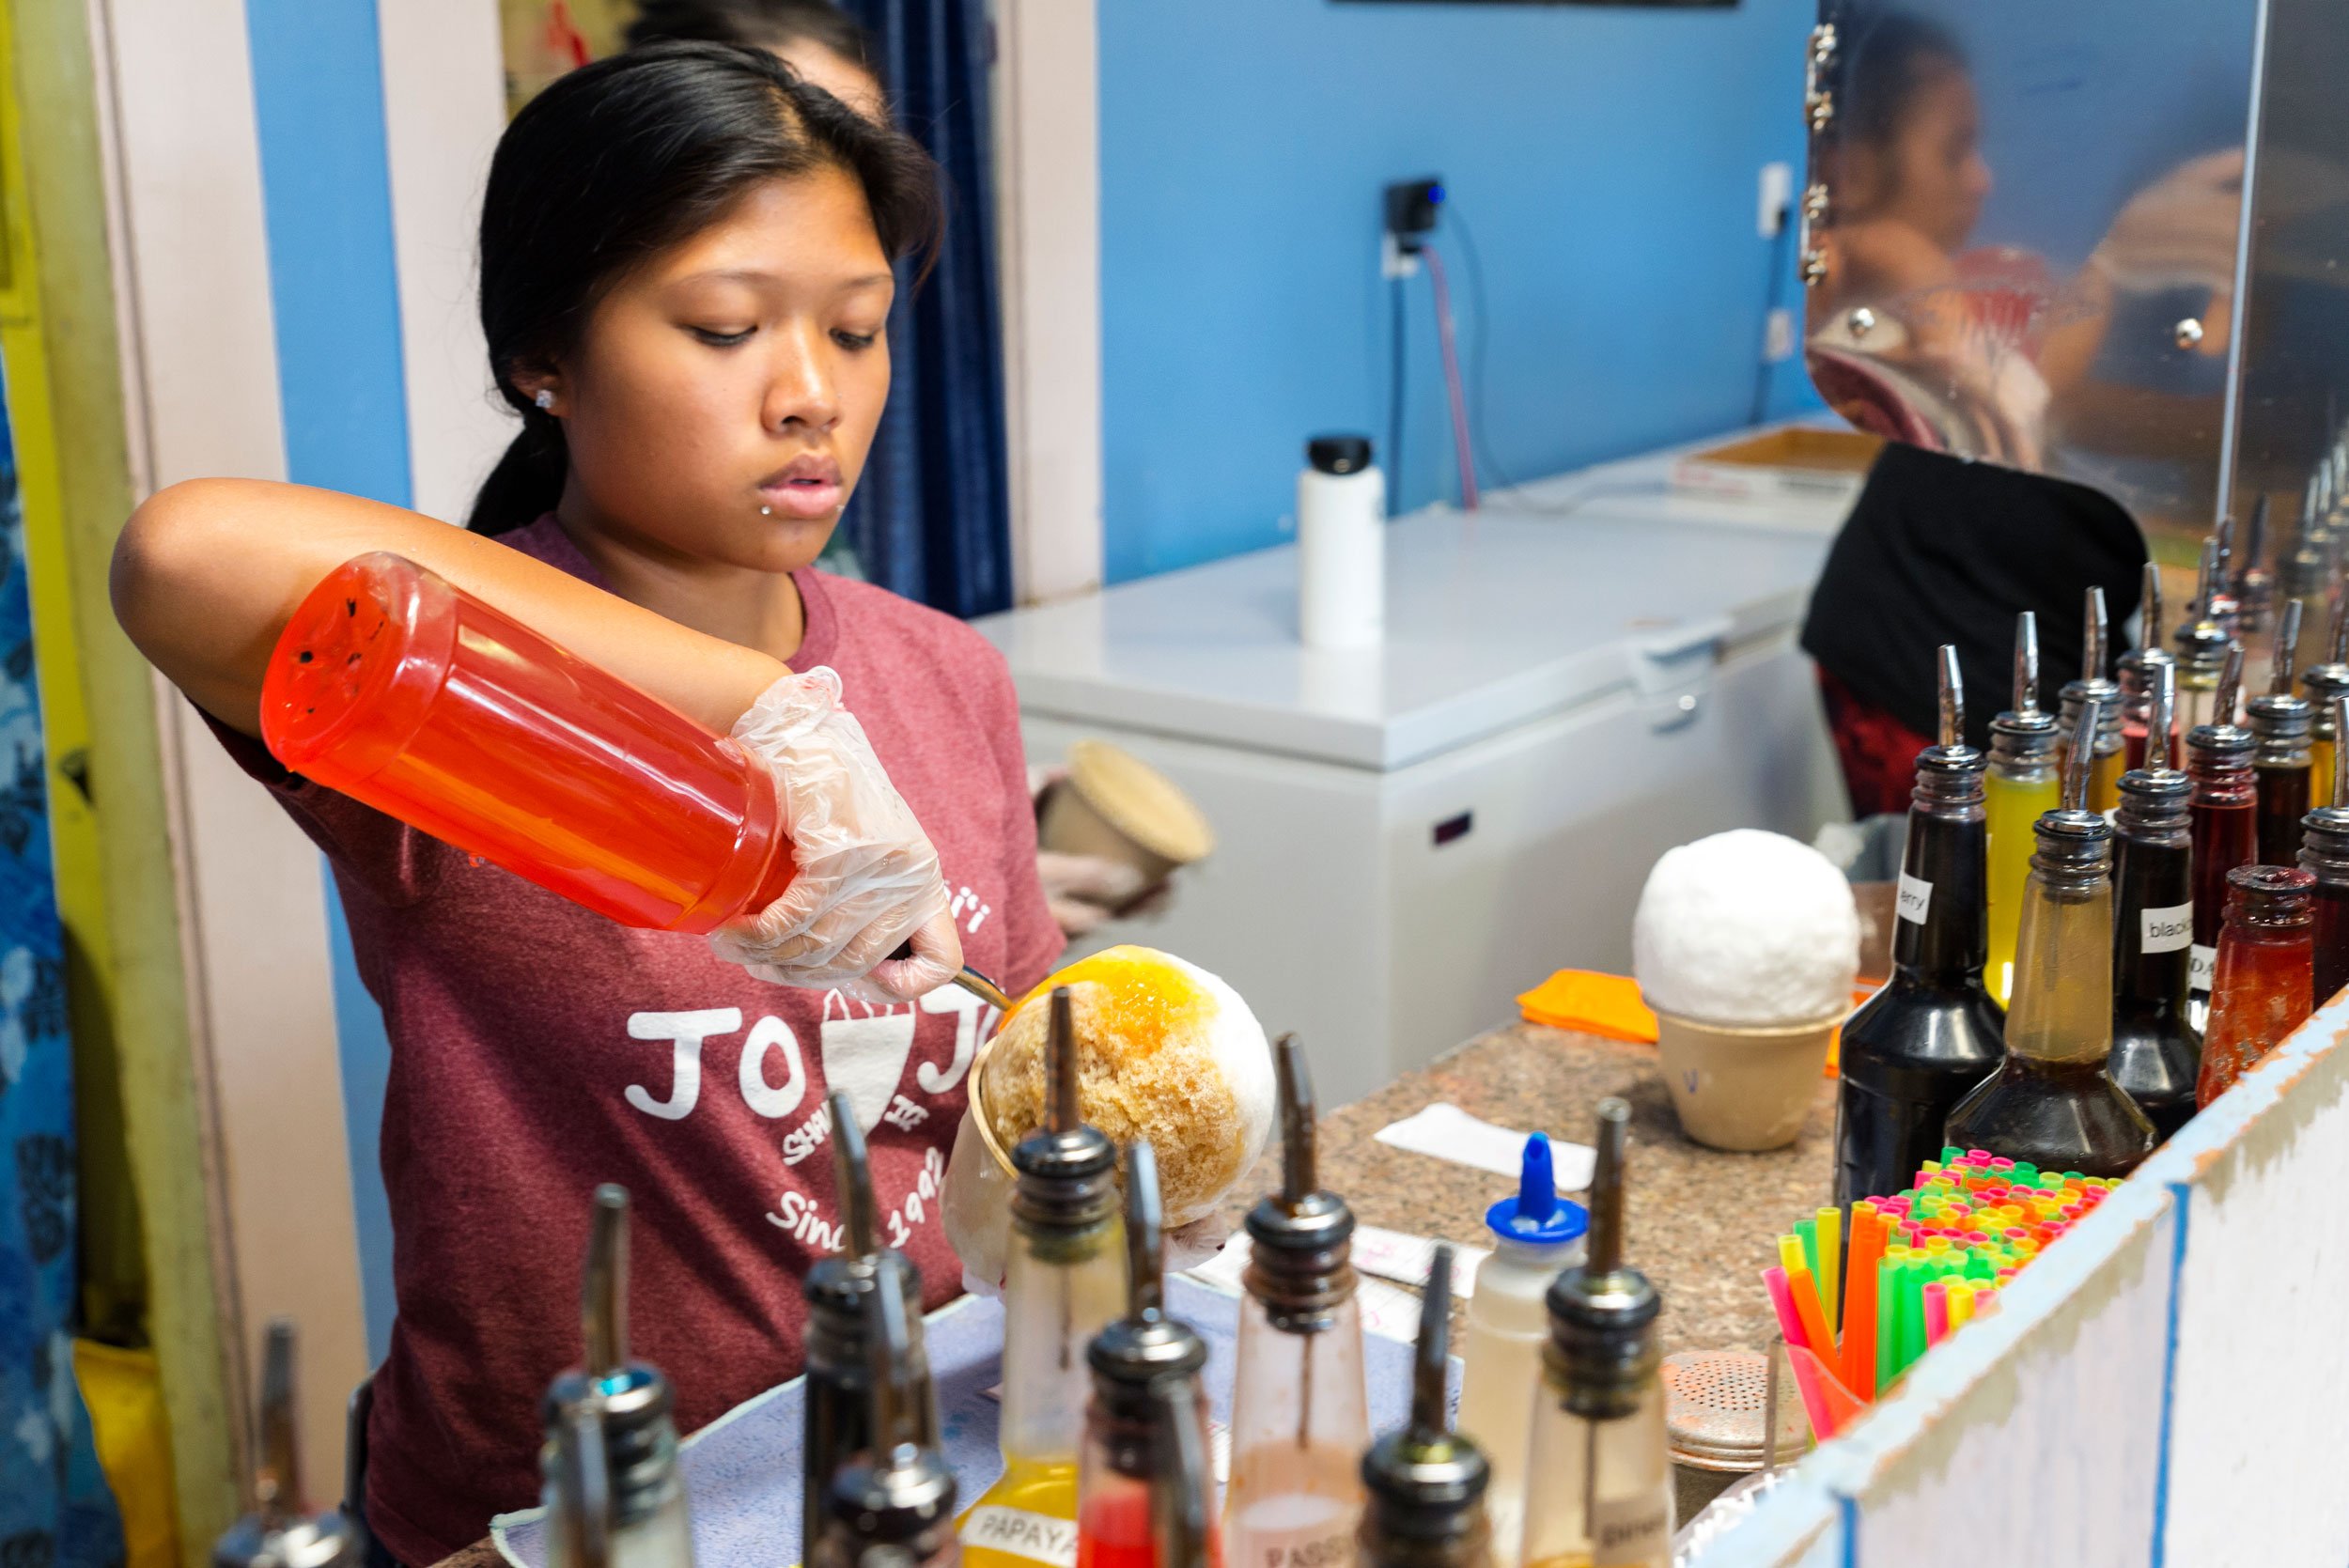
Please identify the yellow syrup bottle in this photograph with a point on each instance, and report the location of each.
(2019, 788)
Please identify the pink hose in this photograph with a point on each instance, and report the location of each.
(1452, 381)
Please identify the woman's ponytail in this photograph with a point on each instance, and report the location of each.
(527, 481)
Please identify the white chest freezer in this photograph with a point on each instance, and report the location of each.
(1410, 835)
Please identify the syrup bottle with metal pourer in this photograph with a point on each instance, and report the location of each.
(839, 1393)
(2301, 575)
(630, 1461)
(2254, 584)
(2156, 1051)
(2104, 773)
(2218, 601)
(2201, 648)
(2265, 972)
(2280, 762)
(2224, 822)
(279, 1533)
(2052, 1102)
(1533, 1233)
(2325, 855)
(893, 1505)
(1604, 1496)
(1065, 1279)
(1915, 1048)
(1426, 1484)
(2137, 673)
(2322, 684)
(1300, 1406)
(1133, 1358)
(2019, 787)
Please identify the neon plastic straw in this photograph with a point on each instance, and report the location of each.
(1888, 1327)
(1961, 1305)
(1805, 1294)
(1790, 1254)
(1937, 1312)
(1829, 1231)
(1782, 1302)
(1859, 1303)
(1807, 1232)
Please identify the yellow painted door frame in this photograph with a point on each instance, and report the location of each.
(116, 886)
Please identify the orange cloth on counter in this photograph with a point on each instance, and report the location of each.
(1608, 1005)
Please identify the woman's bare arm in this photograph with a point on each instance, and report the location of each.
(208, 572)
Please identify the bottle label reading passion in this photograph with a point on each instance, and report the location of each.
(2167, 930)
(1017, 1533)
(2202, 968)
(1915, 898)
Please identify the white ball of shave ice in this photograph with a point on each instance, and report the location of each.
(1745, 928)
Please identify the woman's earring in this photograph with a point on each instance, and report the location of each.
(545, 399)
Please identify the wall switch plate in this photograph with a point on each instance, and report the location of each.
(1393, 260)
(1778, 337)
(1776, 200)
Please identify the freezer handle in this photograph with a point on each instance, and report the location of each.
(1671, 672)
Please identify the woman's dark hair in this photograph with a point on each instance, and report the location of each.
(619, 160)
(758, 23)
(1897, 54)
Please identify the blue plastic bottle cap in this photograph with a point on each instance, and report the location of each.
(1537, 1216)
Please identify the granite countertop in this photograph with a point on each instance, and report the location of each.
(1702, 1225)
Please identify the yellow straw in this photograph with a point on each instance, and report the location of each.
(1961, 1303)
(1830, 1260)
(1790, 1254)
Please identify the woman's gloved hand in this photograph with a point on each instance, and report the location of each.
(867, 878)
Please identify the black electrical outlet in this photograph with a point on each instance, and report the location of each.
(1411, 207)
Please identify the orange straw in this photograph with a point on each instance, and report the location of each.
(1859, 1300)
(1805, 1294)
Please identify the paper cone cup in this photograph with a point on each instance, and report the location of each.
(1744, 1089)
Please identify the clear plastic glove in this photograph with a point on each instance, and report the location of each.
(867, 878)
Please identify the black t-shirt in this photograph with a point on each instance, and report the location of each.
(1939, 549)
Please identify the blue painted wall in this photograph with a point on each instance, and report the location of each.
(1605, 161)
(318, 92)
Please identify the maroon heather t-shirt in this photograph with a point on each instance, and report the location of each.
(539, 1049)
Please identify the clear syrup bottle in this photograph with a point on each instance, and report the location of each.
(892, 1504)
(1065, 1279)
(1301, 1405)
(839, 1361)
(2325, 855)
(280, 1532)
(1913, 1050)
(2322, 684)
(613, 1493)
(2223, 821)
(2156, 1051)
(2202, 647)
(2136, 671)
(1427, 1486)
(2104, 774)
(2052, 1102)
(2280, 722)
(1535, 1234)
(2019, 787)
(1135, 1359)
(1603, 1492)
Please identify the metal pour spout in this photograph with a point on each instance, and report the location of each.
(2076, 761)
(2092, 645)
(1145, 1254)
(2158, 724)
(2279, 678)
(2026, 662)
(1430, 1403)
(852, 1180)
(2149, 608)
(277, 1479)
(2222, 708)
(1062, 1111)
(1296, 1122)
(1178, 1492)
(2341, 753)
(603, 1293)
(1953, 699)
(1604, 1253)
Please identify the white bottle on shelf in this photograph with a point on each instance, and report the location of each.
(1534, 1235)
(1340, 545)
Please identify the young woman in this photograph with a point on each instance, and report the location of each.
(685, 275)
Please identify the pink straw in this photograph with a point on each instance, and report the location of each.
(1937, 1312)
(1782, 1302)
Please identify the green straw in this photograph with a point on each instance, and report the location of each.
(1887, 1323)
(1808, 1231)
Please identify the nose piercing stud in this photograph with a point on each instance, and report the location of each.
(766, 511)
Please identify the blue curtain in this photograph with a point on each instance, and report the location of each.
(55, 1507)
(930, 519)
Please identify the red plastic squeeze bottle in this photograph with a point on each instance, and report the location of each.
(398, 688)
